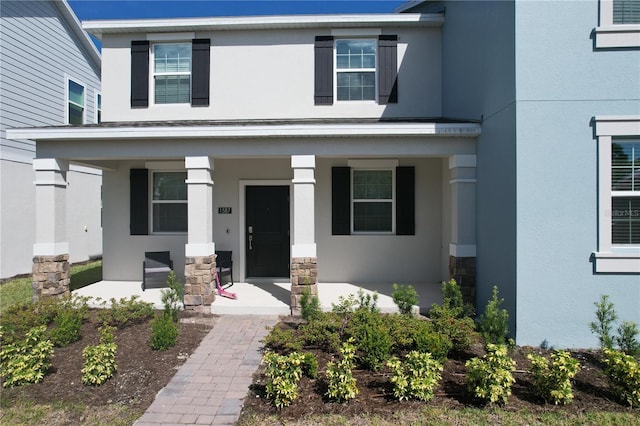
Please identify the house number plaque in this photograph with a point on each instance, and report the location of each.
(224, 210)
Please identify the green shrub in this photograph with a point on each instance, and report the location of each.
(493, 323)
(372, 339)
(405, 297)
(172, 297)
(348, 305)
(283, 374)
(28, 360)
(281, 340)
(490, 378)
(309, 305)
(437, 344)
(403, 330)
(310, 365)
(100, 360)
(552, 378)
(341, 383)
(324, 332)
(605, 317)
(452, 299)
(461, 331)
(17, 320)
(164, 332)
(416, 377)
(624, 372)
(125, 312)
(627, 339)
(67, 326)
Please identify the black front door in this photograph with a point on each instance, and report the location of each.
(267, 234)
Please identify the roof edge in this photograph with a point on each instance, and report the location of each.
(99, 27)
(82, 35)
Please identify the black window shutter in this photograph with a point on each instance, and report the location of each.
(405, 201)
(200, 70)
(139, 202)
(341, 200)
(388, 69)
(140, 73)
(323, 94)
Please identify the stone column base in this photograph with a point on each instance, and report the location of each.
(199, 283)
(463, 270)
(304, 276)
(51, 276)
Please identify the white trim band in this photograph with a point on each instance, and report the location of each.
(199, 249)
(50, 249)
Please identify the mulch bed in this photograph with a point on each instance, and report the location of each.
(591, 390)
(142, 372)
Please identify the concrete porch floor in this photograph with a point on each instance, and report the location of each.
(263, 297)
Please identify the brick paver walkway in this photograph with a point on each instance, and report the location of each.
(211, 385)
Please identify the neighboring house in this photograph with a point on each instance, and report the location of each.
(410, 147)
(49, 75)
(557, 87)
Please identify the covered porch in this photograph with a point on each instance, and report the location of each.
(427, 235)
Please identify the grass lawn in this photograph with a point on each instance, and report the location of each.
(19, 290)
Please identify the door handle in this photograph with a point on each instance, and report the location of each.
(250, 242)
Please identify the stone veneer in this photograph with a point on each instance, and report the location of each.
(199, 287)
(463, 270)
(304, 275)
(51, 276)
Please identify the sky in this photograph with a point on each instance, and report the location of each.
(141, 9)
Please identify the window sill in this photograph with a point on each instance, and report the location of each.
(623, 262)
(617, 36)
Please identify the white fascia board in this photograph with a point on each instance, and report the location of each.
(617, 125)
(99, 27)
(470, 130)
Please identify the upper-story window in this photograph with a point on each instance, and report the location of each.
(98, 108)
(619, 24)
(355, 70)
(179, 73)
(172, 73)
(75, 103)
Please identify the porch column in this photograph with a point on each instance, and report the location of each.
(304, 261)
(51, 248)
(462, 249)
(200, 260)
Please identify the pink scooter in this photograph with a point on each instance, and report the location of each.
(221, 290)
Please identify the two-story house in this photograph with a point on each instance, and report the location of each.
(473, 140)
(49, 75)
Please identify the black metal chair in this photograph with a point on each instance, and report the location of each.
(224, 264)
(156, 268)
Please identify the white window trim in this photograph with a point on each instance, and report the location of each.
(612, 258)
(153, 74)
(610, 35)
(67, 79)
(164, 168)
(97, 107)
(336, 70)
(375, 165)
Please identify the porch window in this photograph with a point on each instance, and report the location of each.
(372, 200)
(172, 73)
(169, 202)
(625, 192)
